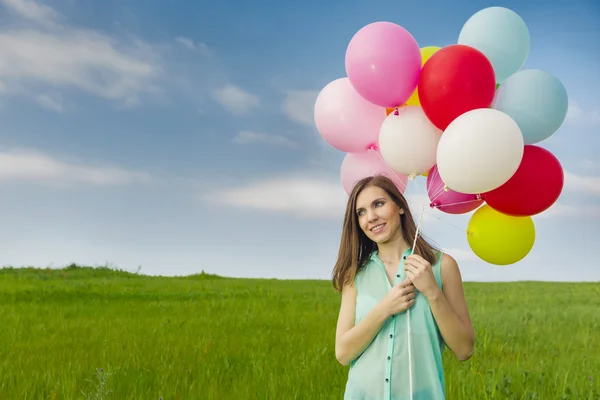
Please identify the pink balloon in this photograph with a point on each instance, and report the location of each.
(357, 166)
(383, 62)
(450, 202)
(345, 120)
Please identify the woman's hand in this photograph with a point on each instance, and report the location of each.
(419, 271)
(400, 297)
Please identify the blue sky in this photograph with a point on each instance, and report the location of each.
(179, 137)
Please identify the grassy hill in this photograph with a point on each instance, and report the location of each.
(98, 333)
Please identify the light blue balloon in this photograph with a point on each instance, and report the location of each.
(500, 34)
(536, 100)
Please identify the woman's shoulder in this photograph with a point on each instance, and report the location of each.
(447, 260)
(449, 269)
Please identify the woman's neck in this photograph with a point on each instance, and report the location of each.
(393, 250)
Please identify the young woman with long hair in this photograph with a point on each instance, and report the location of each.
(380, 278)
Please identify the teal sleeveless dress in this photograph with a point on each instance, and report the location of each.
(381, 371)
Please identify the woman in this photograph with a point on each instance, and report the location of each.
(379, 279)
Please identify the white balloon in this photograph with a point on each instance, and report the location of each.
(479, 151)
(408, 142)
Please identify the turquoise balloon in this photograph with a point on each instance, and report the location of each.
(536, 100)
(500, 34)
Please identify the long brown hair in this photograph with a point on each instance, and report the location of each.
(356, 247)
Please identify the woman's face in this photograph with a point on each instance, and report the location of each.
(378, 215)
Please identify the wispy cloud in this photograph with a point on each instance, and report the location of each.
(583, 184)
(190, 44)
(235, 99)
(561, 210)
(49, 53)
(588, 164)
(38, 167)
(306, 194)
(577, 114)
(298, 106)
(51, 102)
(247, 137)
(298, 196)
(29, 9)
(461, 255)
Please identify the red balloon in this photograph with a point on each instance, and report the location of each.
(454, 80)
(535, 186)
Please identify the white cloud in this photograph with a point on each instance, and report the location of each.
(461, 255)
(588, 164)
(560, 210)
(191, 45)
(52, 54)
(34, 166)
(305, 197)
(576, 114)
(299, 105)
(584, 184)
(32, 11)
(51, 102)
(235, 99)
(246, 137)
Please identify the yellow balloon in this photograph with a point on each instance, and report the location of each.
(426, 52)
(500, 239)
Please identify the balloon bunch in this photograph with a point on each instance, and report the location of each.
(466, 116)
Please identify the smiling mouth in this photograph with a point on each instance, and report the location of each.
(378, 228)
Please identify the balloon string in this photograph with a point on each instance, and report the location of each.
(410, 380)
(436, 173)
(374, 148)
(446, 222)
(462, 229)
(433, 205)
(409, 339)
(437, 193)
(434, 177)
(440, 189)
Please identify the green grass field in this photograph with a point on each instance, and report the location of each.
(82, 333)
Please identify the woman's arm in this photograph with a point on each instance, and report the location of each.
(351, 340)
(450, 311)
